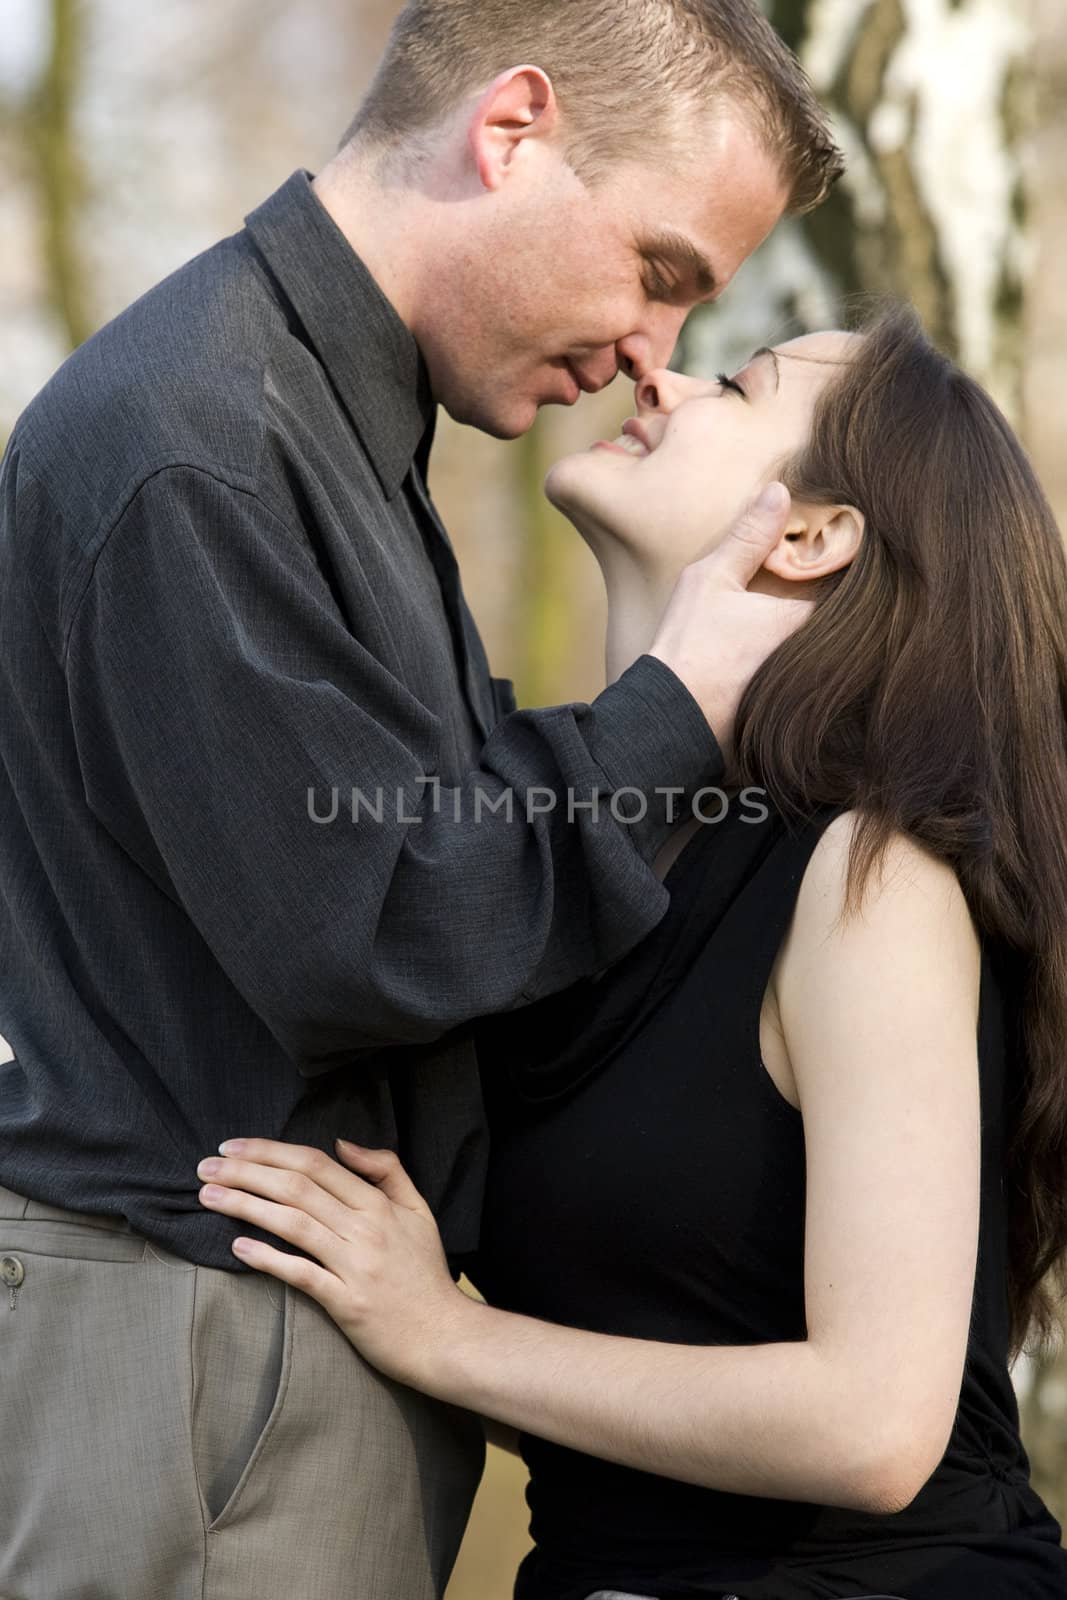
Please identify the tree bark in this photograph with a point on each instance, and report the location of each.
(930, 105)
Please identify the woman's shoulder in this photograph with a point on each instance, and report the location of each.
(910, 899)
(904, 870)
(896, 976)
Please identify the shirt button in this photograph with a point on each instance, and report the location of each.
(12, 1271)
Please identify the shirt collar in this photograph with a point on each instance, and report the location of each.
(372, 359)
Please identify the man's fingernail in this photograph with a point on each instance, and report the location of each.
(773, 498)
(231, 1147)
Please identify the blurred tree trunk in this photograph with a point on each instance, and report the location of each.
(1046, 304)
(928, 102)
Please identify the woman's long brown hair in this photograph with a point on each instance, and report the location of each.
(929, 692)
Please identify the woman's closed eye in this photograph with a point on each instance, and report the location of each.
(731, 384)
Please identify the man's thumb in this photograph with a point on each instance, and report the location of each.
(756, 532)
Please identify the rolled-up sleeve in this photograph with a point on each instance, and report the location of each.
(219, 699)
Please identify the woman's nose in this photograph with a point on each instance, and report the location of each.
(663, 390)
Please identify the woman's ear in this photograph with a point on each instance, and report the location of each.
(818, 540)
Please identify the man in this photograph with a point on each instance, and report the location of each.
(227, 602)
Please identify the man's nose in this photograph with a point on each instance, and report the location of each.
(601, 369)
(650, 348)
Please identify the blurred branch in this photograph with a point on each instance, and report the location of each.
(1044, 1425)
(60, 180)
(547, 612)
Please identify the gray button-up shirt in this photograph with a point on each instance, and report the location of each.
(226, 604)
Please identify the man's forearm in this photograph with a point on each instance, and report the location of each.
(774, 1420)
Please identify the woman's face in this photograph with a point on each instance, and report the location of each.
(697, 452)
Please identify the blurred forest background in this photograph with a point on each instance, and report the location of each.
(133, 133)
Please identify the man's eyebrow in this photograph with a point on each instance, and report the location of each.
(765, 350)
(684, 254)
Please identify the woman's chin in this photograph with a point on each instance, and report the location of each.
(562, 485)
(577, 488)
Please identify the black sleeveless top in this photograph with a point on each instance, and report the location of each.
(647, 1178)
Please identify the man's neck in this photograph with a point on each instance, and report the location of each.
(377, 224)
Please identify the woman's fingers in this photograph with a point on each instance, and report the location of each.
(298, 1226)
(383, 1168)
(303, 1274)
(299, 1162)
(293, 1190)
(377, 1266)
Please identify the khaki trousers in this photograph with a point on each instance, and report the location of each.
(173, 1432)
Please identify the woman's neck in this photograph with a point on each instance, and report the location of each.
(638, 593)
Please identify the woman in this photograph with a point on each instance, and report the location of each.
(774, 1203)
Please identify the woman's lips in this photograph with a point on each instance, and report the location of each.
(634, 428)
(627, 445)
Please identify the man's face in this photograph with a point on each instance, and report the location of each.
(563, 286)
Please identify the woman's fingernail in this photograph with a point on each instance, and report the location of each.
(348, 1144)
(241, 1247)
(232, 1147)
(211, 1191)
(208, 1168)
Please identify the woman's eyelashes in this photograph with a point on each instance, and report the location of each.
(731, 384)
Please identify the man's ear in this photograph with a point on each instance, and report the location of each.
(519, 104)
(818, 540)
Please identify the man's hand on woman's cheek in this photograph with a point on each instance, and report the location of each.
(715, 635)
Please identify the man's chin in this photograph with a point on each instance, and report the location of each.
(505, 421)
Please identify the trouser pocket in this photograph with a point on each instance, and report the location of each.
(241, 1348)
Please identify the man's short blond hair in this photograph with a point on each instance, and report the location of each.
(627, 73)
